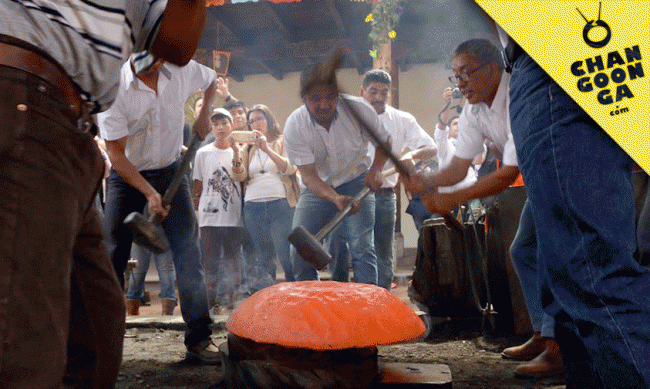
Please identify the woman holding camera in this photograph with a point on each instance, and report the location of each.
(271, 193)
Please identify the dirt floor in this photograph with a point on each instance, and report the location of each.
(154, 357)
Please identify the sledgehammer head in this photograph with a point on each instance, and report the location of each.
(309, 247)
(147, 233)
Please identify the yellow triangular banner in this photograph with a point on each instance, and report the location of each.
(597, 51)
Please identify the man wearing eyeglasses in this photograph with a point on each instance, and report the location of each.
(478, 71)
(478, 68)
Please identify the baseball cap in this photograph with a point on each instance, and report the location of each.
(221, 112)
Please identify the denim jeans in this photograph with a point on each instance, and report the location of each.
(579, 186)
(523, 252)
(221, 247)
(313, 212)
(248, 261)
(269, 225)
(61, 307)
(164, 265)
(385, 204)
(182, 230)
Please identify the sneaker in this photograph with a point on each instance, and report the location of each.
(206, 352)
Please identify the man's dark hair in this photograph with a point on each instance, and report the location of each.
(376, 75)
(484, 50)
(234, 103)
(311, 77)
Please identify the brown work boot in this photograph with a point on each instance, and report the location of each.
(546, 364)
(168, 306)
(133, 306)
(527, 351)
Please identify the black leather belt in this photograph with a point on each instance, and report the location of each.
(36, 64)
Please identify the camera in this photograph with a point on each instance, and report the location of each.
(456, 93)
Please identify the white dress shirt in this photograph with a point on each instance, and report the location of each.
(478, 122)
(153, 122)
(446, 151)
(404, 130)
(340, 154)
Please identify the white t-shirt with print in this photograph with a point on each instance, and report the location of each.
(220, 204)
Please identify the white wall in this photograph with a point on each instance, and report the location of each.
(420, 93)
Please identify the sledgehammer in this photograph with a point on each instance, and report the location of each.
(146, 232)
(309, 246)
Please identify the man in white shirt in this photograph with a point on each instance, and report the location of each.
(478, 68)
(330, 149)
(143, 133)
(404, 131)
(480, 76)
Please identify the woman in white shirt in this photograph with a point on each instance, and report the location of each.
(271, 193)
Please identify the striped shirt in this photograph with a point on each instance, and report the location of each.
(90, 39)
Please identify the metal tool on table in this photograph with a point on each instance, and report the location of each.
(147, 231)
(309, 246)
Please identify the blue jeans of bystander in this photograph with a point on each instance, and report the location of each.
(269, 225)
(164, 266)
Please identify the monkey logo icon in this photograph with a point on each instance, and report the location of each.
(592, 24)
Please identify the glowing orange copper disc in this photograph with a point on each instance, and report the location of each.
(325, 315)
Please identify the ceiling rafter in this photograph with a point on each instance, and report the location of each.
(274, 16)
(275, 73)
(335, 15)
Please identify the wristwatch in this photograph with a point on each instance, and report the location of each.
(236, 163)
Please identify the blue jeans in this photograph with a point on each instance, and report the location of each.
(165, 267)
(523, 252)
(385, 236)
(182, 230)
(269, 225)
(579, 186)
(248, 261)
(313, 212)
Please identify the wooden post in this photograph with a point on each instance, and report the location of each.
(384, 61)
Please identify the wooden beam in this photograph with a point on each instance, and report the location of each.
(275, 73)
(268, 10)
(335, 15)
(357, 63)
(316, 48)
(222, 27)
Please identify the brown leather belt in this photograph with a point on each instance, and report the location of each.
(34, 63)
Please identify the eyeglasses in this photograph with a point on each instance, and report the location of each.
(464, 77)
(259, 119)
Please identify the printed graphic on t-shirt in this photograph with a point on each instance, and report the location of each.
(222, 183)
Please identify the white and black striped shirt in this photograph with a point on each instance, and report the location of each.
(90, 39)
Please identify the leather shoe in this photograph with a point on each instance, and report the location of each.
(546, 364)
(527, 351)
